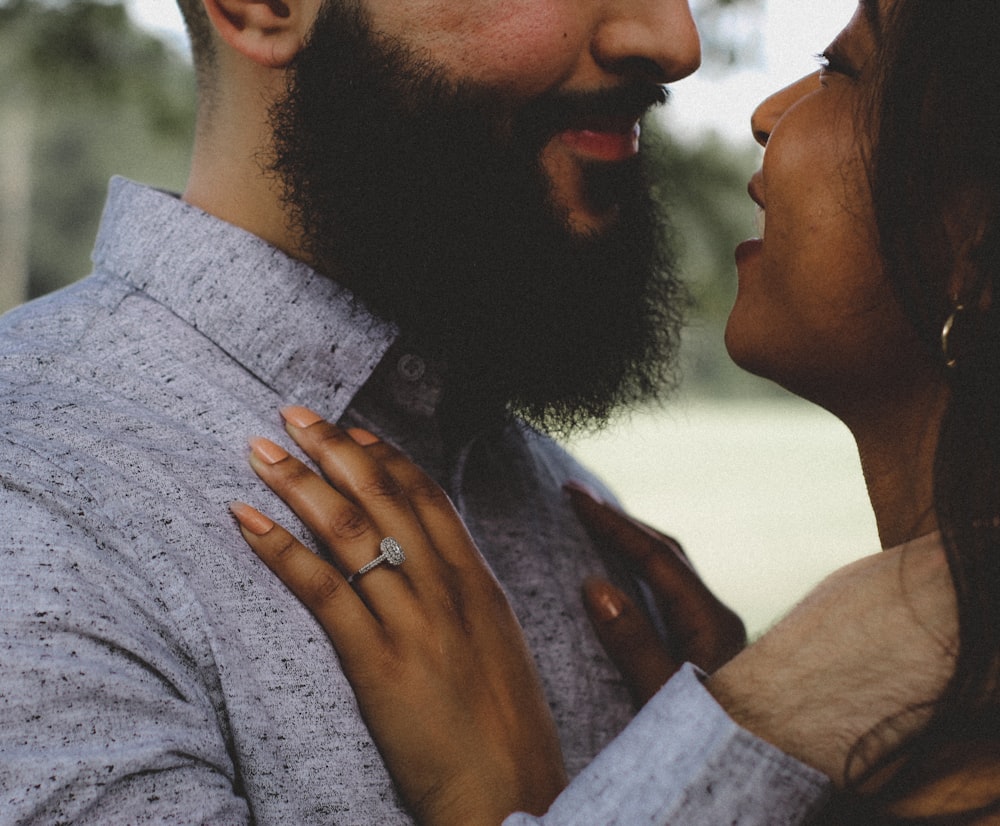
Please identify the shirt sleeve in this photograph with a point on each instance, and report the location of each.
(683, 760)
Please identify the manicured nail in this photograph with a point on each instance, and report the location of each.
(362, 437)
(300, 416)
(251, 519)
(605, 600)
(575, 487)
(267, 451)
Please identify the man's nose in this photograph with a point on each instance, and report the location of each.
(655, 39)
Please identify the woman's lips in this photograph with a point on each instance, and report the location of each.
(753, 245)
(755, 191)
(604, 143)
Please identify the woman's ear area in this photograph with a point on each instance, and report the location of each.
(268, 32)
(968, 284)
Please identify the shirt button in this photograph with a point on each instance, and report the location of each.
(411, 367)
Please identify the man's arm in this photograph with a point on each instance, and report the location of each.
(683, 760)
(756, 743)
(873, 639)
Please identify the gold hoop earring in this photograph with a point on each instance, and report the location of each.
(950, 359)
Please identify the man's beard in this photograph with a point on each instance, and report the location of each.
(428, 200)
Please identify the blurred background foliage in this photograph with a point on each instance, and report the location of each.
(86, 95)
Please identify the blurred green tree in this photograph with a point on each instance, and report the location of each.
(703, 185)
(728, 31)
(85, 95)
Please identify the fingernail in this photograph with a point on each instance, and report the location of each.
(251, 519)
(267, 451)
(575, 487)
(362, 437)
(300, 416)
(605, 600)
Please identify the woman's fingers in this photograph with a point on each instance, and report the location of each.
(700, 627)
(392, 490)
(434, 509)
(654, 554)
(370, 492)
(320, 586)
(337, 521)
(629, 638)
(349, 466)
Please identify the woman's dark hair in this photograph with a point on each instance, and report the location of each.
(935, 176)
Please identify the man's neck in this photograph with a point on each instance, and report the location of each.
(229, 177)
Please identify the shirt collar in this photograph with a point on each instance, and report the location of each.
(297, 331)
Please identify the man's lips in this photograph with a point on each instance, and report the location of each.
(607, 142)
(603, 125)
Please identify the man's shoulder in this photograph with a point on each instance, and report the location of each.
(57, 354)
(56, 322)
(81, 383)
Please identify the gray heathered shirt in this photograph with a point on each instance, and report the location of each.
(151, 669)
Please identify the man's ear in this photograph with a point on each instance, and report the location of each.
(268, 32)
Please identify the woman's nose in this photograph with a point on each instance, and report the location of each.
(772, 109)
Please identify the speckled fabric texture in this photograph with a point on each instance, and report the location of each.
(151, 669)
(684, 762)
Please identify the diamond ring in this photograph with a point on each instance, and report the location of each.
(390, 551)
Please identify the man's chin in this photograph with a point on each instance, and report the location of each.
(586, 220)
(590, 223)
(572, 198)
(534, 270)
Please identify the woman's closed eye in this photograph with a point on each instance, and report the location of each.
(831, 62)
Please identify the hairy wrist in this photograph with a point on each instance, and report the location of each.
(786, 715)
(867, 652)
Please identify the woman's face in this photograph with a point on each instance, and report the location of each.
(813, 311)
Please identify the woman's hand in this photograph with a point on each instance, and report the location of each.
(699, 628)
(443, 676)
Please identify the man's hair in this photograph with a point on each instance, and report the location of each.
(202, 46)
